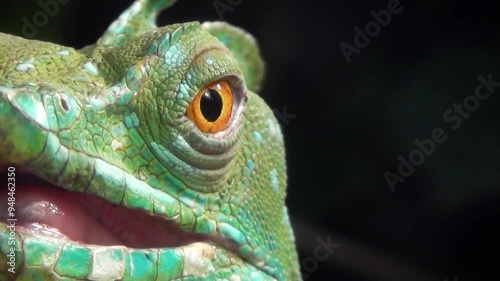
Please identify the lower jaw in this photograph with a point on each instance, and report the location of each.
(50, 258)
(52, 233)
(37, 258)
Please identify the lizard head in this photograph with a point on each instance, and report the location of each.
(157, 158)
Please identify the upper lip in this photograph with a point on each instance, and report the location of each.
(117, 219)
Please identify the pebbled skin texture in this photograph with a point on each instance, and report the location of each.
(110, 120)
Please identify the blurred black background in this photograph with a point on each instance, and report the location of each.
(348, 123)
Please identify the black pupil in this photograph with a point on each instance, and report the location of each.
(211, 105)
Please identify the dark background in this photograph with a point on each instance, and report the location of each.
(349, 123)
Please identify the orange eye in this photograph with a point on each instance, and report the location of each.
(211, 108)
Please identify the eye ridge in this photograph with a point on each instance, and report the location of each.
(211, 105)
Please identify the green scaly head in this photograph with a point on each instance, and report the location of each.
(162, 124)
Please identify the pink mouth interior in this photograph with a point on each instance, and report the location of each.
(49, 211)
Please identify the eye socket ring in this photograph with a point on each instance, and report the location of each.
(212, 107)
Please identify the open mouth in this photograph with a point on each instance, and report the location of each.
(45, 210)
(45, 213)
